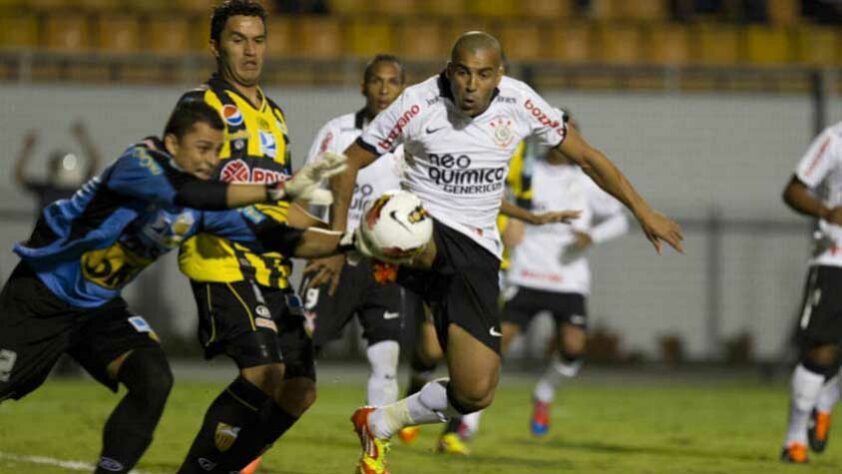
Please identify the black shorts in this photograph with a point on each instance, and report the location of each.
(522, 304)
(36, 328)
(461, 288)
(254, 325)
(378, 307)
(820, 321)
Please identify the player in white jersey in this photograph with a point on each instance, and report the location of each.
(459, 130)
(378, 307)
(550, 272)
(816, 190)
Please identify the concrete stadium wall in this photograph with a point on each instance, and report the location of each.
(688, 153)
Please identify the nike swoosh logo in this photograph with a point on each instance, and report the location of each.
(394, 216)
(494, 332)
(431, 131)
(391, 315)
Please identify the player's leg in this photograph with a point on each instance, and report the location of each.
(423, 364)
(819, 424)
(381, 316)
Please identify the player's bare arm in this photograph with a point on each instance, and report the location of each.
(798, 197)
(516, 212)
(656, 226)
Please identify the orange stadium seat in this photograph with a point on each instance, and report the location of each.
(570, 42)
(350, 7)
(281, 38)
(766, 45)
(716, 44)
(448, 8)
(817, 45)
(783, 12)
(397, 7)
(18, 31)
(620, 44)
(522, 41)
(657, 10)
(546, 9)
(367, 37)
(667, 44)
(117, 33)
(319, 37)
(497, 8)
(66, 33)
(421, 39)
(167, 35)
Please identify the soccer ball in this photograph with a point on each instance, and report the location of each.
(395, 227)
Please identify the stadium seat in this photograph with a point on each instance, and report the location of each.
(167, 35)
(66, 32)
(350, 7)
(816, 45)
(522, 41)
(99, 6)
(117, 33)
(367, 37)
(409, 44)
(7, 5)
(783, 12)
(281, 35)
(570, 42)
(149, 6)
(620, 44)
(198, 7)
(645, 10)
(319, 37)
(462, 25)
(716, 44)
(18, 31)
(444, 8)
(667, 44)
(765, 45)
(48, 5)
(546, 10)
(397, 7)
(200, 33)
(497, 8)
(607, 9)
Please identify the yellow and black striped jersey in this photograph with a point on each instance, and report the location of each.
(518, 190)
(256, 150)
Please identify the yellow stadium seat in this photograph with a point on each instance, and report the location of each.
(48, 4)
(668, 44)
(546, 9)
(522, 41)
(66, 33)
(462, 25)
(766, 45)
(199, 7)
(607, 9)
(117, 33)
(11, 4)
(496, 8)
(319, 37)
(148, 6)
(367, 37)
(279, 31)
(100, 6)
(716, 44)
(783, 12)
(397, 7)
(350, 7)
(422, 40)
(620, 44)
(167, 35)
(200, 33)
(444, 8)
(571, 42)
(816, 46)
(655, 10)
(19, 31)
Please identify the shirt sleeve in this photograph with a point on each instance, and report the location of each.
(546, 123)
(138, 174)
(251, 227)
(388, 129)
(820, 158)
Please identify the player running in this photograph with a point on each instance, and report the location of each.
(816, 190)
(460, 129)
(64, 295)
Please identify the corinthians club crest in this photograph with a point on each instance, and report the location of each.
(501, 129)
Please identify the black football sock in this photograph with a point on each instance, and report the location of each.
(274, 421)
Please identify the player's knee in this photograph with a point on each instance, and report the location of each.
(471, 398)
(146, 371)
(298, 396)
(268, 378)
(822, 359)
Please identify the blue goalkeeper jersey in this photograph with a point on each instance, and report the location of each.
(87, 248)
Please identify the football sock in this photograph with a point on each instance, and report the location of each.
(804, 390)
(236, 409)
(273, 422)
(560, 368)
(128, 431)
(383, 382)
(829, 395)
(470, 424)
(429, 405)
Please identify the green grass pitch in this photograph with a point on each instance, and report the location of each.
(621, 426)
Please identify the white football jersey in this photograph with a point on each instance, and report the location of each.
(821, 170)
(456, 164)
(372, 181)
(546, 258)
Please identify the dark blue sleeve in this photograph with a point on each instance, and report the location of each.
(247, 225)
(138, 174)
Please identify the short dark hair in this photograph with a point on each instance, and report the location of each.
(383, 58)
(229, 8)
(190, 112)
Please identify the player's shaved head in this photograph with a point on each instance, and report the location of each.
(474, 42)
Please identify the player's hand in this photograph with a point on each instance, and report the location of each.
(834, 216)
(583, 240)
(326, 271)
(659, 227)
(554, 217)
(306, 183)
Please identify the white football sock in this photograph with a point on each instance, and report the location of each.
(829, 395)
(471, 423)
(429, 405)
(804, 391)
(553, 376)
(383, 382)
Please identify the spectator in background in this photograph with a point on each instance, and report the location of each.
(66, 171)
(319, 7)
